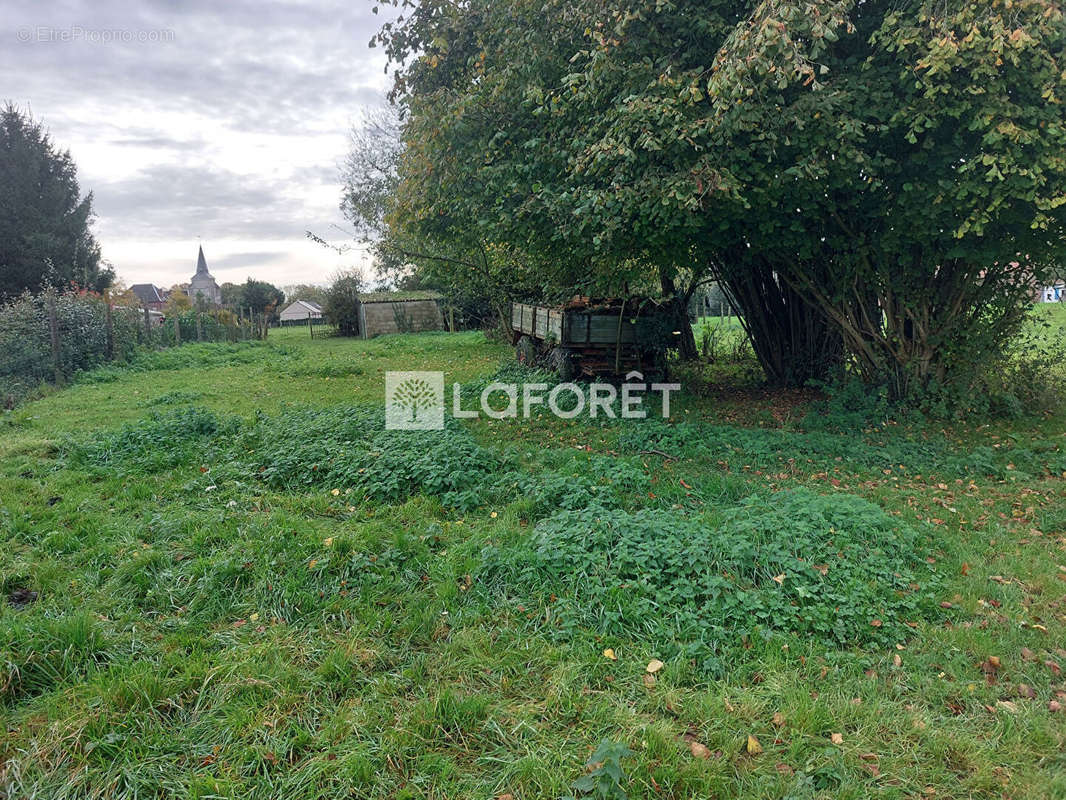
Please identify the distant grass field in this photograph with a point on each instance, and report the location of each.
(221, 578)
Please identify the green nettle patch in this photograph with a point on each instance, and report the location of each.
(159, 441)
(775, 449)
(838, 569)
(345, 448)
(349, 448)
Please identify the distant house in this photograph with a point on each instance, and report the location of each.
(1053, 294)
(399, 312)
(299, 311)
(149, 295)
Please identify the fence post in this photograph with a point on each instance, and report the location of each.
(109, 325)
(310, 325)
(53, 327)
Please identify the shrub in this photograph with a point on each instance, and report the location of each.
(835, 569)
(26, 357)
(342, 303)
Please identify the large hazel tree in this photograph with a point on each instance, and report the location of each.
(886, 176)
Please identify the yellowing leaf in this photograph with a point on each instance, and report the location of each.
(654, 666)
(752, 746)
(779, 579)
(609, 653)
(335, 492)
(311, 563)
(253, 617)
(328, 542)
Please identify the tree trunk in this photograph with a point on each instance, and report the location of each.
(792, 339)
(678, 304)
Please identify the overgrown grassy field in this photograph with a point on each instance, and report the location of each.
(222, 578)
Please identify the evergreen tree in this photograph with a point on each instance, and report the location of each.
(45, 238)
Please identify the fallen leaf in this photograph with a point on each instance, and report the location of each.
(837, 738)
(654, 666)
(1028, 655)
(335, 492)
(752, 746)
(328, 541)
(779, 719)
(1054, 706)
(1007, 705)
(1055, 668)
(1027, 691)
(649, 680)
(779, 579)
(784, 769)
(311, 563)
(253, 617)
(609, 653)
(699, 750)
(876, 623)
(897, 660)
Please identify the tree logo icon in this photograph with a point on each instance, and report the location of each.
(414, 400)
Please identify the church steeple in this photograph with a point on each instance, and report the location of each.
(203, 285)
(201, 263)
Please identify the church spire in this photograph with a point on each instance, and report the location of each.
(201, 263)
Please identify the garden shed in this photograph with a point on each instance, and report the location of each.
(399, 312)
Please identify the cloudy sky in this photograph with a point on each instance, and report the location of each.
(210, 120)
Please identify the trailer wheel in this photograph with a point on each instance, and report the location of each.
(563, 363)
(525, 351)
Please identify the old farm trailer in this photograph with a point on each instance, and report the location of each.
(594, 337)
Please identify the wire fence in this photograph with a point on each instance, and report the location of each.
(50, 337)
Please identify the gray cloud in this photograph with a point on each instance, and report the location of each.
(251, 68)
(238, 260)
(175, 201)
(259, 66)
